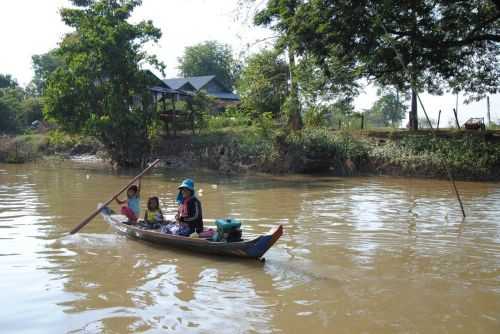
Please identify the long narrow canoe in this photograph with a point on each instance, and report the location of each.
(254, 248)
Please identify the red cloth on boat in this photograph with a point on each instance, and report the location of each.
(129, 213)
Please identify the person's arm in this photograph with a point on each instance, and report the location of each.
(178, 215)
(119, 201)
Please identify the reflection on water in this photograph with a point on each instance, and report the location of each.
(373, 255)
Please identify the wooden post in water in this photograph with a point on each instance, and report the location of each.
(456, 118)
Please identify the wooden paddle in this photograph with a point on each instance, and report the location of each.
(96, 212)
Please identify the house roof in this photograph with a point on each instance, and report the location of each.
(175, 83)
(196, 82)
(200, 82)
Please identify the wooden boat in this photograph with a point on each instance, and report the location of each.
(254, 248)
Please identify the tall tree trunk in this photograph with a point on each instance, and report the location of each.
(488, 114)
(294, 116)
(413, 111)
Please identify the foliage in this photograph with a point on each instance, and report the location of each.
(10, 106)
(21, 149)
(432, 45)
(232, 117)
(210, 58)
(317, 116)
(424, 123)
(310, 83)
(101, 90)
(44, 65)
(7, 81)
(321, 149)
(263, 83)
(467, 156)
(387, 110)
(17, 109)
(31, 110)
(333, 82)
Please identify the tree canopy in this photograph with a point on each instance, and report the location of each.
(101, 89)
(388, 110)
(210, 58)
(428, 45)
(44, 65)
(263, 83)
(7, 81)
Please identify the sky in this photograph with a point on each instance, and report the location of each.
(30, 27)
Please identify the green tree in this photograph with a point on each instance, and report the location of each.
(44, 65)
(276, 16)
(31, 110)
(388, 110)
(210, 58)
(6, 81)
(263, 83)
(101, 89)
(11, 97)
(420, 45)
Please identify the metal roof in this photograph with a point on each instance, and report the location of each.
(196, 82)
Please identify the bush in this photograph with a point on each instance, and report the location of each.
(232, 117)
(322, 149)
(467, 156)
(22, 148)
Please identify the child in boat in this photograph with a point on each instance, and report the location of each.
(153, 217)
(132, 207)
(189, 215)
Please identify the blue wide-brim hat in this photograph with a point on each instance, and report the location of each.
(188, 184)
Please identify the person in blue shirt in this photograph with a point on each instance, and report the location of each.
(131, 209)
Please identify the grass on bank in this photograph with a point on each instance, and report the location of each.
(32, 146)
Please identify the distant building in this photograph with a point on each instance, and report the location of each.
(208, 84)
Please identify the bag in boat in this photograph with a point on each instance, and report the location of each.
(227, 230)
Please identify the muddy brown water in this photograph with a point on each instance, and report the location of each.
(359, 255)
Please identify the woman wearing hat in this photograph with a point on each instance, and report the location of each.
(189, 212)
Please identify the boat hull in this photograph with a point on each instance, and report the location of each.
(254, 248)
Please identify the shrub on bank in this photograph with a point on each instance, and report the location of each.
(22, 148)
(467, 156)
(320, 149)
(30, 147)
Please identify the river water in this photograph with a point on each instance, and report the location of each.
(358, 255)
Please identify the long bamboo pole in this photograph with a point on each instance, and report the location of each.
(96, 212)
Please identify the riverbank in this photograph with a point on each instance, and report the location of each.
(469, 155)
(30, 147)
